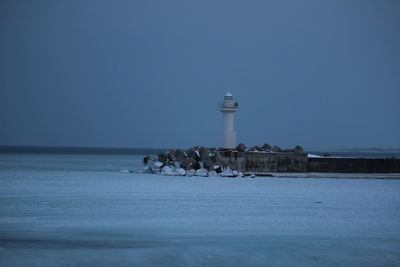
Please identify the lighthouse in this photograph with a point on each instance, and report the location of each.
(228, 107)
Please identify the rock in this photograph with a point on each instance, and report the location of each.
(163, 157)
(202, 172)
(298, 149)
(189, 163)
(156, 166)
(185, 164)
(215, 158)
(146, 160)
(208, 164)
(195, 164)
(204, 154)
(227, 173)
(166, 170)
(241, 148)
(266, 147)
(258, 148)
(171, 155)
(179, 155)
(189, 152)
(218, 169)
(175, 164)
(190, 173)
(213, 174)
(276, 149)
(180, 172)
(192, 162)
(192, 153)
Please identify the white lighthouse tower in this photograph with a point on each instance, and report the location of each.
(228, 107)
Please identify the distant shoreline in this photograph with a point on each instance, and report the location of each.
(351, 152)
(77, 150)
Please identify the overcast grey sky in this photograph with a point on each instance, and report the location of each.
(323, 74)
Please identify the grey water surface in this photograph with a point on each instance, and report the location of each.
(79, 210)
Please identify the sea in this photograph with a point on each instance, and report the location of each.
(74, 207)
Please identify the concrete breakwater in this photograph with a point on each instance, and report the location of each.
(243, 161)
(354, 165)
(259, 162)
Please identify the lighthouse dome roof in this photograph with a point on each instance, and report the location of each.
(228, 94)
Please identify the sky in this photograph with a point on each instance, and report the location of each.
(321, 74)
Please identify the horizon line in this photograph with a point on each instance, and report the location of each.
(37, 148)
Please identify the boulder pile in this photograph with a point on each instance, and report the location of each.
(196, 161)
(267, 148)
(203, 161)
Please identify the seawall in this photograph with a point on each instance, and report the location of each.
(287, 162)
(354, 165)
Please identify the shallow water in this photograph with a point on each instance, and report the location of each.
(78, 210)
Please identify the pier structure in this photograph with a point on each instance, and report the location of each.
(290, 162)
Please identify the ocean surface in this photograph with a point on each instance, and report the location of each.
(75, 208)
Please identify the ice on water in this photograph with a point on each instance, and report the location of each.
(63, 210)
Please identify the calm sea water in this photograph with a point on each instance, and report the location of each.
(69, 209)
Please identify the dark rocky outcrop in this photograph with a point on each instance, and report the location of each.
(203, 161)
(179, 155)
(209, 164)
(193, 162)
(276, 149)
(163, 157)
(196, 165)
(146, 159)
(193, 153)
(266, 147)
(241, 147)
(171, 155)
(298, 149)
(185, 164)
(197, 160)
(215, 158)
(218, 169)
(204, 154)
(189, 152)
